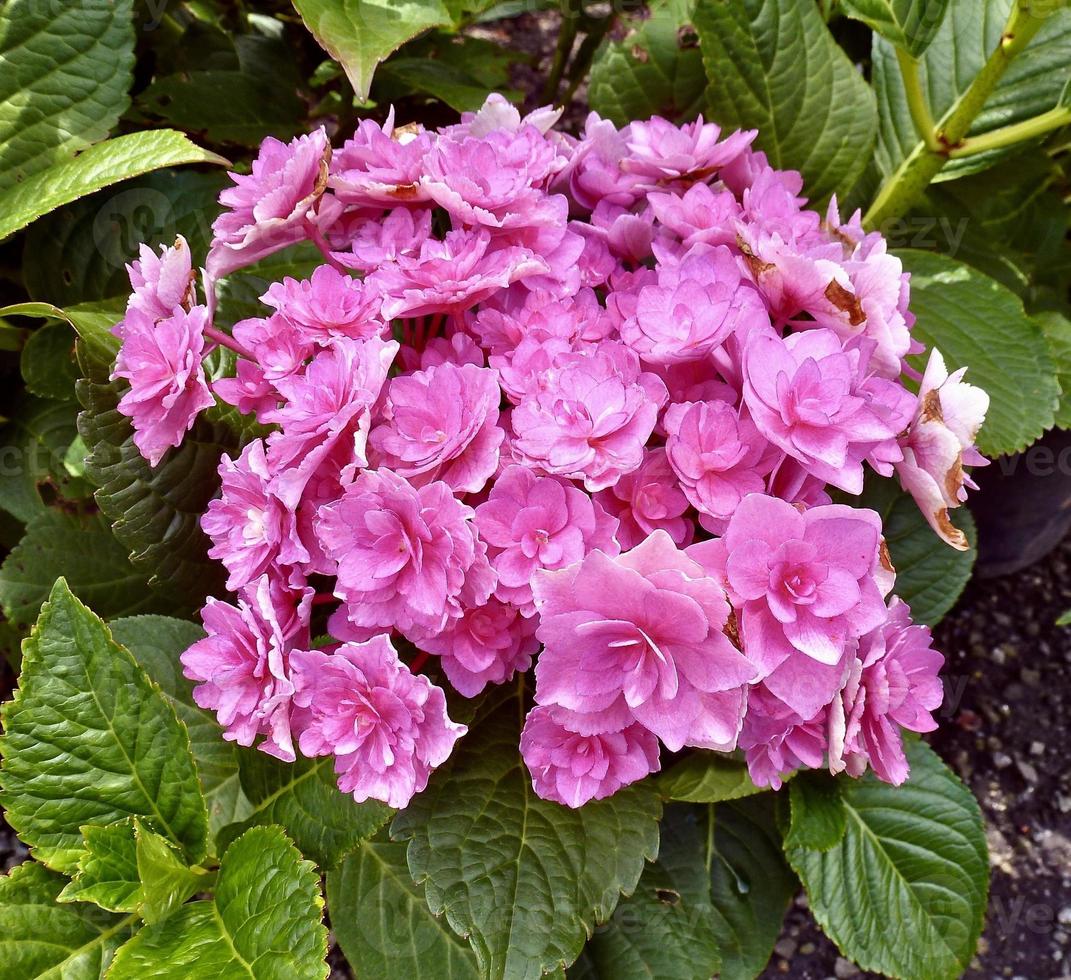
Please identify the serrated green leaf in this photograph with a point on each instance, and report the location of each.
(303, 797)
(1057, 329)
(166, 880)
(42, 940)
(107, 869)
(907, 24)
(706, 777)
(479, 833)
(100, 166)
(656, 69)
(970, 32)
(89, 739)
(157, 642)
(774, 66)
(904, 892)
(263, 922)
(359, 34)
(383, 924)
(979, 324)
(65, 69)
(48, 364)
(818, 818)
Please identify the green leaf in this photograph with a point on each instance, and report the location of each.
(239, 293)
(383, 924)
(751, 885)
(907, 24)
(774, 66)
(656, 69)
(979, 324)
(89, 739)
(263, 922)
(100, 166)
(970, 32)
(359, 34)
(706, 777)
(818, 817)
(157, 642)
(65, 69)
(83, 548)
(166, 880)
(48, 364)
(524, 879)
(108, 869)
(304, 798)
(904, 892)
(1057, 329)
(450, 83)
(41, 939)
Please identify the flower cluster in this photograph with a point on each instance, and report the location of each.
(576, 402)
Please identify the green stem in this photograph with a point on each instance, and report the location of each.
(917, 103)
(903, 189)
(571, 11)
(1016, 133)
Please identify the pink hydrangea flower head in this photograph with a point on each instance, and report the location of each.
(379, 242)
(381, 165)
(939, 442)
(530, 522)
(160, 283)
(487, 645)
(270, 207)
(660, 153)
(441, 424)
(328, 304)
(641, 638)
(699, 216)
(595, 172)
(804, 586)
(162, 362)
(593, 423)
(386, 727)
(573, 769)
(407, 558)
(649, 499)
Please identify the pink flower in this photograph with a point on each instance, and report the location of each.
(595, 172)
(572, 769)
(804, 586)
(776, 741)
(487, 645)
(718, 455)
(441, 424)
(269, 208)
(939, 442)
(408, 559)
(380, 166)
(648, 499)
(386, 728)
(162, 363)
(161, 282)
(531, 522)
(329, 304)
(380, 241)
(660, 153)
(593, 422)
(641, 638)
(814, 399)
(699, 216)
(249, 526)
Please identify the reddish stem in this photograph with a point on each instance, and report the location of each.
(323, 599)
(225, 340)
(418, 661)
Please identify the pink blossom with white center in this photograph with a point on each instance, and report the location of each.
(592, 425)
(270, 207)
(386, 727)
(329, 304)
(530, 522)
(160, 283)
(489, 644)
(441, 424)
(660, 153)
(162, 363)
(640, 637)
(408, 558)
(719, 457)
(804, 587)
(648, 499)
(573, 769)
(380, 166)
(498, 113)
(939, 442)
(813, 398)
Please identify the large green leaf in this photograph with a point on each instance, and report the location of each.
(65, 68)
(525, 880)
(359, 34)
(968, 35)
(706, 777)
(907, 24)
(262, 923)
(100, 166)
(41, 939)
(818, 818)
(656, 69)
(979, 324)
(89, 739)
(774, 66)
(107, 872)
(156, 643)
(904, 891)
(82, 548)
(48, 364)
(303, 797)
(383, 924)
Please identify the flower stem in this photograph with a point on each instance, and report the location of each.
(418, 661)
(317, 237)
(917, 102)
(226, 340)
(1016, 133)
